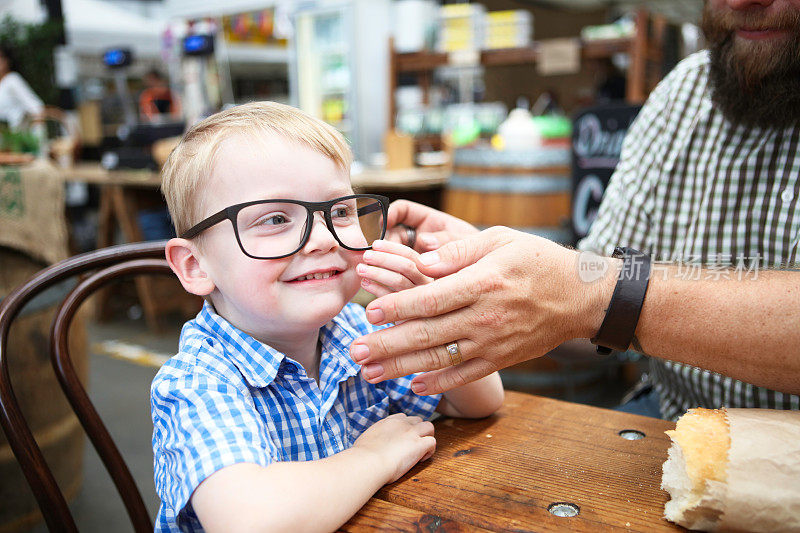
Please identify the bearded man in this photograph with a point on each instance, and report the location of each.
(707, 186)
(709, 175)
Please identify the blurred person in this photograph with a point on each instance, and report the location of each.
(261, 421)
(708, 185)
(157, 100)
(17, 99)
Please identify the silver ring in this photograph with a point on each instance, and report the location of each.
(454, 353)
(411, 235)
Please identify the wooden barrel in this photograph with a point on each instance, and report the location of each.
(527, 190)
(47, 411)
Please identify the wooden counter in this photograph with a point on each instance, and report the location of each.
(400, 180)
(413, 178)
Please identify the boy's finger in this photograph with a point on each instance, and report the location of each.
(424, 429)
(375, 289)
(428, 455)
(385, 277)
(428, 443)
(395, 263)
(394, 248)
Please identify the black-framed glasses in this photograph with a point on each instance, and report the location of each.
(272, 229)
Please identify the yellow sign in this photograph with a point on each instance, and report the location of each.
(255, 27)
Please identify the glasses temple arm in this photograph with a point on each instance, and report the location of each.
(195, 230)
(370, 208)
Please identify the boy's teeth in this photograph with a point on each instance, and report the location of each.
(318, 275)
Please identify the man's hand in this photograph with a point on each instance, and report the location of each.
(433, 227)
(503, 295)
(398, 442)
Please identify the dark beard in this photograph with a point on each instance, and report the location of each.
(774, 102)
(761, 90)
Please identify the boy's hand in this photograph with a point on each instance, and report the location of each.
(389, 267)
(398, 442)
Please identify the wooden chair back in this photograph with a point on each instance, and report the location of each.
(96, 269)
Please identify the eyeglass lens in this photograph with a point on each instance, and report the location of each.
(274, 229)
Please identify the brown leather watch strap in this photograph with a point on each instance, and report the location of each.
(622, 314)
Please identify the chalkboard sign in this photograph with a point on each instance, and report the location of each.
(597, 135)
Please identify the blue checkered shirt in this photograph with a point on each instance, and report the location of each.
(227, 398)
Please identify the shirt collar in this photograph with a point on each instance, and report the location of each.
(259, 363)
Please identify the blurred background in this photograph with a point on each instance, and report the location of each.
(501, 112)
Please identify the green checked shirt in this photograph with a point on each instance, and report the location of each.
(693, 188)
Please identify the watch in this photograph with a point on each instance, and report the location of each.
(622, 315)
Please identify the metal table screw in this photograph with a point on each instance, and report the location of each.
(631, 434)
(564, 509)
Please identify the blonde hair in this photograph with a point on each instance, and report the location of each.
(191, 162)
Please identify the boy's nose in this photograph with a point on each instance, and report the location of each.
(321, 239)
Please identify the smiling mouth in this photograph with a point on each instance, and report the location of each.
(316, 276)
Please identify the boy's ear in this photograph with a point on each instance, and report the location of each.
(183, 259)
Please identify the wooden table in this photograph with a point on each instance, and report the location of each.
(122, 194)
(502, 473)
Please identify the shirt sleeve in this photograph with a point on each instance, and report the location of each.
(624, 214)
(201, 424)
(26, 98)
(404, 400)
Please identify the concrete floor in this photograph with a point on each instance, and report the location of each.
(124, 359)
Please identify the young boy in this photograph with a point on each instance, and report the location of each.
(262, 421)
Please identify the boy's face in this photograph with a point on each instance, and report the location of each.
(264, 297)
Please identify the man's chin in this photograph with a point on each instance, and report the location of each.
(758, 58)
(753, 86)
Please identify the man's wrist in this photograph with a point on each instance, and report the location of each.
(621, 317)
(597, 296)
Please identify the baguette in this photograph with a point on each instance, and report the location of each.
(696, 469)
(735, 470)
